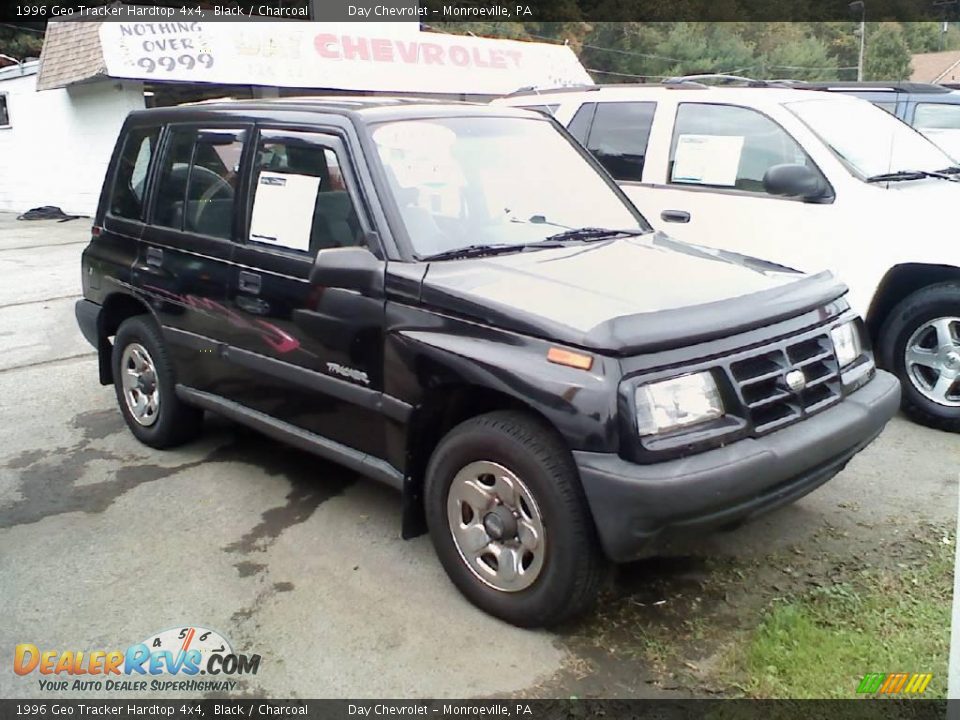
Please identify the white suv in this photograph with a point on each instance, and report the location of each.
(809, 179)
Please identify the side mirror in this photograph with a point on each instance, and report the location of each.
(352, 268)
(790, 180)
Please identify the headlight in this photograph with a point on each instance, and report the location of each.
(846, 343)
(676, 403)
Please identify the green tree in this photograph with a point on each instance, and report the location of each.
(887, 55)
(19, 44)
(706, 48)
(921, 37)
(804, 58)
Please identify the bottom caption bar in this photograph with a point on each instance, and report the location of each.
(572, 709)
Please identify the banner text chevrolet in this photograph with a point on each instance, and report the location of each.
(810, 179)
(454, 300)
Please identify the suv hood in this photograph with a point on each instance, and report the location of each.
(624, 296)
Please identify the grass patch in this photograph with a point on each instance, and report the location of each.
(820, 643)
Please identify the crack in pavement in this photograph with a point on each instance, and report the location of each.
(68, 358)
(42, 300)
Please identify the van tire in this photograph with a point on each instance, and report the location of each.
(909, 316)
(175, 422)
(572, 565)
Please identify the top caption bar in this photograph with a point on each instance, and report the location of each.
(439, 11)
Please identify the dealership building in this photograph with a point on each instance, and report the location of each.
(60, 115)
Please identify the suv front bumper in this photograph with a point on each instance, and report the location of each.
(632, 504)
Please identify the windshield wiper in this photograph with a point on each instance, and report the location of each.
(471, 251)
(591, 233)
(913, 175)
(553, 241)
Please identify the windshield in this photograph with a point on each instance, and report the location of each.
(870, 141)
(460, 182)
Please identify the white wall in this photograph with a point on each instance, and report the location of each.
(59, 142)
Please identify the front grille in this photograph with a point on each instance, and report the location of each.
(760, 380)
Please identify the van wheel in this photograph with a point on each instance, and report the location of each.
(920, 343)
(510, 522)
(143, 378)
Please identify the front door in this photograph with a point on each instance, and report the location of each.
(705, 185)
(311, 356)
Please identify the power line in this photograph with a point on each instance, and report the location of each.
(651, 56)
(629, 75)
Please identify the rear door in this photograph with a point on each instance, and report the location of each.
(115, 248)
(185, 264)
(308, 355)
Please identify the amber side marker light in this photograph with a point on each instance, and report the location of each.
(570, 359)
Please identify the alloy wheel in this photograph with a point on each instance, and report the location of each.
(932, 358)
(496, 526)
(140, 387)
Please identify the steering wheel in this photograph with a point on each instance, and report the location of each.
(217, 185)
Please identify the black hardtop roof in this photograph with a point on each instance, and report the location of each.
(893, 85)
(362, 108)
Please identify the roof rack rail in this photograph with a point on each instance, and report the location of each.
(904, 86)
(532, 90)
(723, 79)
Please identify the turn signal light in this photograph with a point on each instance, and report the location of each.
(570, 358)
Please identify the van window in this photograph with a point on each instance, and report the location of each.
(728, 147)
(199, 181)
(131, 175)
(619, 137)
(300, 198)
(4, 111)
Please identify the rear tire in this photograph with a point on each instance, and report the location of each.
(145, 384)
(504, 482)
(920, 343)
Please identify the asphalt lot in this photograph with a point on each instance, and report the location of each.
(104, 541)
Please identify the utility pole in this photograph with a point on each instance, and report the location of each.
(860, 6)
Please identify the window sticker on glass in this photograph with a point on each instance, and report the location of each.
(283, 210)
(707, 159)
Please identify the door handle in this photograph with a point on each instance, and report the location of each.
(154, 257)
(249, 282)
(677, 216)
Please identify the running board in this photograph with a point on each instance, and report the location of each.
(298, 437)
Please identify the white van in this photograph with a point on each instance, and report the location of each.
(809, 179)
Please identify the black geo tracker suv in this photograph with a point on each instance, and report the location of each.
(458, 301)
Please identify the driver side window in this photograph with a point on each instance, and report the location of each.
(726, 146)
(199, 181)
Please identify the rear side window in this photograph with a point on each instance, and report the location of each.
(580, 124)
(130, 180)
(4, 111)
(729, 147)
(545, 109)
(199, 180)
(619, 137)
(300, 197)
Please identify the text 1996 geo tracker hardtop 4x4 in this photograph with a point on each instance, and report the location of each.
(455, 300)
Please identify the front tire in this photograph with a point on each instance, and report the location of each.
(509, 520)
(920, 343)
(144, 381)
